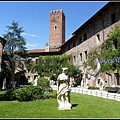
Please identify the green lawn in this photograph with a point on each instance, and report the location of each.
(83, 106)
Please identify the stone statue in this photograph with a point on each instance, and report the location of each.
(94, 74)
(63, 91)
(4, 83)
(100, 83)
(35, 81)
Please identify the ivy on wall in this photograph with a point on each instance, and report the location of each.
(108, 53)
(51, 66)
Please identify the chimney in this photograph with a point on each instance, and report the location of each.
(47, 48)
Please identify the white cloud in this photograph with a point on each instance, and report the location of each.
(31, 45)
(32, 35)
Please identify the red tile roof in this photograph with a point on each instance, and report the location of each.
(42, 50)
(36, 50)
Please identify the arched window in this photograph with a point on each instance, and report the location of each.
(55, 27)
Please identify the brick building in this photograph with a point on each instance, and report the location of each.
(87, 37)
(91, 35)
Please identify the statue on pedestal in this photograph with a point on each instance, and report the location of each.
(63, 91)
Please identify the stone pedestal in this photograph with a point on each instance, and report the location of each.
(65, 106)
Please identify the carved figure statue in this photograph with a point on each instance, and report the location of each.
(97, 62)
(4, 83)
(95, 74)
(63, 91)
(35, 81)
(100, 83)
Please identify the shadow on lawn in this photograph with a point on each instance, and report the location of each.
(74, 105)
(2, 98)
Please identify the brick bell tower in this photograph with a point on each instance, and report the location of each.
(57, 28)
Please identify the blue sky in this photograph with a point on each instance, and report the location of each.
(34, 17)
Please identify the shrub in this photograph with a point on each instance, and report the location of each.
(44, 83)
(28, 93)
(51, 94)
(93, 88)
(9, 95)
(25, 93)
(29, 83)
(118, 91)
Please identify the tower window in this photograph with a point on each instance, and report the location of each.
(113, 20)
(68, 47)
(55, 27)
(80, 56)
(74, 59)
(68, 59)
(80, 40)
(98, 37)
(73, 43)
(85, 36)
(85, 54)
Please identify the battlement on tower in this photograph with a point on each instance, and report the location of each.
(56, 11)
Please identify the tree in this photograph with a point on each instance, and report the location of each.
(74, 72)
(14, 47)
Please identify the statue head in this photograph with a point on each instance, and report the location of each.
(64, 69)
